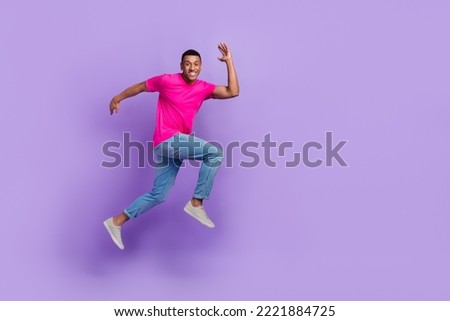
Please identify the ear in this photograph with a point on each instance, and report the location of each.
(181, 65)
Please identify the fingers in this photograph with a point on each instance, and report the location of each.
(226, 53)
(222, 47)
(114, 108)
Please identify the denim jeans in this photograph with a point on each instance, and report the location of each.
(169, 157)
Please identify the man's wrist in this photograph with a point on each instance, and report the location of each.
(117, 99)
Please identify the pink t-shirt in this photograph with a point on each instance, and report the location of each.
(178, 103)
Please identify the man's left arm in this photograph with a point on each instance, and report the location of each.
(232, 89)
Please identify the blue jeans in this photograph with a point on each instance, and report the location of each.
(169, 156)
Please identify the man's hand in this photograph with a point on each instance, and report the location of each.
(114, 106)
(232, 89)
(226, 53)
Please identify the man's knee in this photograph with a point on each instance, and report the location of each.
(214, 156)
(218, 154)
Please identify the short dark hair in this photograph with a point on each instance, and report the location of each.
(190, 52)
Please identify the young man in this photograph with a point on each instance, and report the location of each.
(180, 97)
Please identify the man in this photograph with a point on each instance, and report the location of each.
(180, 97)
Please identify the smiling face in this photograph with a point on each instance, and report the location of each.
(190, 67)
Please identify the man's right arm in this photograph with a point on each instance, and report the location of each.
(114, 105)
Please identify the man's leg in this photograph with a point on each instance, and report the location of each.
(166, 172)
(211, 157)
(211, 160)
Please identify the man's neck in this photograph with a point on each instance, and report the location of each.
(187, 81)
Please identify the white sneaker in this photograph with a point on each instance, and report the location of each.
(198, 212)
(114, 232)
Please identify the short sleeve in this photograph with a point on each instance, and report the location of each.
(209, 89)
(154, 84)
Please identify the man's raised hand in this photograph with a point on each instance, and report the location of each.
(226, 53)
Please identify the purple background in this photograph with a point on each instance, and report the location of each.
(375, 73)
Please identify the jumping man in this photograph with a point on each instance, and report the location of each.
(180, 98)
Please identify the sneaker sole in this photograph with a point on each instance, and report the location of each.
(186, 209)
(112, 236)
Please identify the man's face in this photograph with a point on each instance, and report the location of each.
(191, 67)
